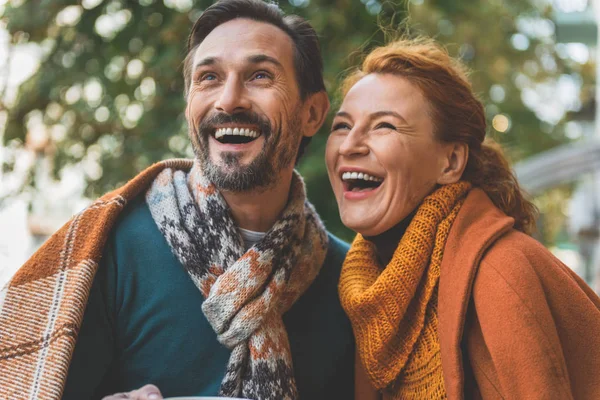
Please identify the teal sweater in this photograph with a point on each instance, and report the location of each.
(144, 324)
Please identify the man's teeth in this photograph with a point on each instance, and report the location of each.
(219, 133)
(360, 175)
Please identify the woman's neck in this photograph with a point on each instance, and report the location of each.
(387, 242)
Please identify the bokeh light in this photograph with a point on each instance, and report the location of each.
(501, 123)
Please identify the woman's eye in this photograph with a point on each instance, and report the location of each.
(385, 125)
(339, 126)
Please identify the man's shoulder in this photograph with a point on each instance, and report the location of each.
(336, 252)
(135, 223)
(136, 249)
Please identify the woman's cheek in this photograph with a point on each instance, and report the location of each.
(330, 155)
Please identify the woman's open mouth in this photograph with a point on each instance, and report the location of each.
(360, 182)
(236, 135)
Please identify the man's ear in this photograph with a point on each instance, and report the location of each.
(315, 110)
(454, 163)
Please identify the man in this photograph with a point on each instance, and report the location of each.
(213, 278)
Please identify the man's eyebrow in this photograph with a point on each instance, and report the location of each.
(260, 58)
(255, 59)
(206, 61)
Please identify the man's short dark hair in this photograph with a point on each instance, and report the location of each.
(308, 63)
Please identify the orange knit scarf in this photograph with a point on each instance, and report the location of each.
(393, 310)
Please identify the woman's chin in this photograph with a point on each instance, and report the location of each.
(364, 227)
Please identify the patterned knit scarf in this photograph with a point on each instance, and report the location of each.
(394, 310)
(246, 292)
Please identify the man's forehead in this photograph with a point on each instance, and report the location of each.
(242, 38)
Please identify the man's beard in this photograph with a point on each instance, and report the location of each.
(260, 173)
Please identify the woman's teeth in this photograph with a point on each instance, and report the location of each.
(222, 132)
(360, 175)
(359, 181)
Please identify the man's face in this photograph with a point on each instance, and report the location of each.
(243, 105)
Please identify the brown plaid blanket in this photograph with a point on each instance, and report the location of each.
(42, 307)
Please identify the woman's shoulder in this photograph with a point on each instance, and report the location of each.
(516, 256)
(527, 305)
(528, 271)
(515, 251)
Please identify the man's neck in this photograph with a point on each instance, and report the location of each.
(259, 210)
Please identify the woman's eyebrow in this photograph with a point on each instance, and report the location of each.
(375, 115)
(388, 113)
(342, 114)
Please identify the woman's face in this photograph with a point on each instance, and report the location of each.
(382, 157)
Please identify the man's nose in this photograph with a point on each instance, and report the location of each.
(354, 144)
(233, 97)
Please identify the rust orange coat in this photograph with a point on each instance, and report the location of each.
(514, 322)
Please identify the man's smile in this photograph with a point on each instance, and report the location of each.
(236, 134)
(237, 139)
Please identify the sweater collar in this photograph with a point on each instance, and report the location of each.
(387, 242)
(478, 225)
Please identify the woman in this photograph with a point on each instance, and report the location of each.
(448, 295)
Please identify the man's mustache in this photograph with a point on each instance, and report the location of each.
(208, 125)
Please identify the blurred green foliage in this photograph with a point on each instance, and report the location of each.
(109, 87)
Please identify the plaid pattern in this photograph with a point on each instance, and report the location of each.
(42, 306)
(246, 291)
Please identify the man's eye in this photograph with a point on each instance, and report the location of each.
(261, 75)
(208, 77)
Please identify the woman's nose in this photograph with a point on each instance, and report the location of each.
(354, 144)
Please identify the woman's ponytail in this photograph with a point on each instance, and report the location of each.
(489, 170)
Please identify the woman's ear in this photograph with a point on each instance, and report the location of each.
(315, 110)
(455, 162)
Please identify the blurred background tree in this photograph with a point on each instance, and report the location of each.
(107, 95)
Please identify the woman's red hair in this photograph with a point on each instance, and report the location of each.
(457, 114)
